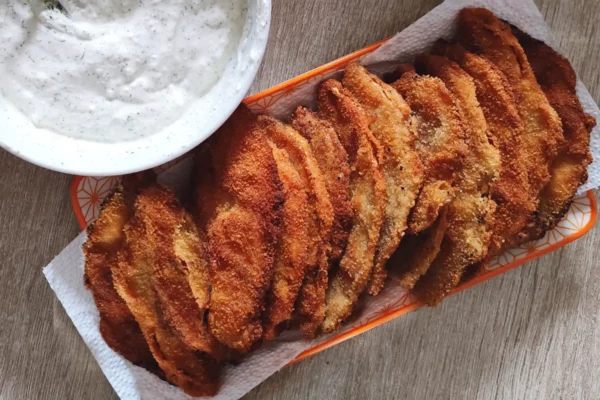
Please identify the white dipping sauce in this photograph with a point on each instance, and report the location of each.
(114, 70)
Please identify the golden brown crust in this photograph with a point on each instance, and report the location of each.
(180, 272)
(307, 217)
(557, 79)
(238, 199)
(368, 194)
(514, 200)
(468, 236)
(482, 160)
(401, 164)
(310, 307)
(440, 143)
(433, 198)
(118, 327)
(480, 31)
(417, 252)
(466, 241)
(292, 249)
(333, 162)
(135, 277)
(441, 146)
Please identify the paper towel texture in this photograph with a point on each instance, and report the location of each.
(65, 272)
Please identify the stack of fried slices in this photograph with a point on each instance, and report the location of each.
(476, 147)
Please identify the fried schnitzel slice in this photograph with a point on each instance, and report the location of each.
(401, 164)
(238, 199)
(440, 143)
(118, 327)
(195, 372)
(310, 306)
(416, 252)
(482, 161)
(441, 146)
(307, 217)
(291, 257)
(480, 31)
(514, 200)
(333, 162)
(557, 79)
(467, 237)
(181, 276)
(368, 198)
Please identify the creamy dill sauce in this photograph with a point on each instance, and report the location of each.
(113, 70)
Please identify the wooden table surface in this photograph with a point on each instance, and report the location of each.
(531, 333)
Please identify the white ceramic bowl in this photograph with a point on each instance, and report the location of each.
(76, 156)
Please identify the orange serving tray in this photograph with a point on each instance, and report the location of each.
(87, 194)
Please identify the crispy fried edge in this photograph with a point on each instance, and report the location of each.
(368, 194)
(483, 169)
(311, 299)
(292, 249)
(480, 31)
(470, 213)
(514, 200)
(179, 261)
(333, 162)
(431, 102)
(238, 200)
(401, 165)
(442, 163)
(196, 374)
(558, 80)
(118, 327)
(417, 252)
(301, 239)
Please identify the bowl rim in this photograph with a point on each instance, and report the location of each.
(35, 154)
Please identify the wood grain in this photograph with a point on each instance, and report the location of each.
(504, 339)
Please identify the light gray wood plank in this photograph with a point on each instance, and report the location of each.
(531, 333)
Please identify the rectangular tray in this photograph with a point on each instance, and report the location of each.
(87, 194)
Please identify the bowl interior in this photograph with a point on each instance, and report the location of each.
(77, 156)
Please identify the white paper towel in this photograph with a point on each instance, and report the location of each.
(65, 272)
